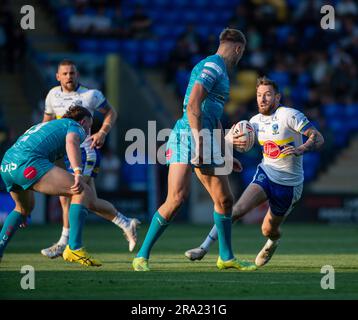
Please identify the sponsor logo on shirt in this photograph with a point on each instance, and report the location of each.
(30, 172)
(8, 167)
(271, 149)
(275, 129)
(214, 66)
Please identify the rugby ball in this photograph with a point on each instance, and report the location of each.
(245, 127)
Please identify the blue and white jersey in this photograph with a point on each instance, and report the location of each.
(212, 74)
(58, 102)
(284, 127)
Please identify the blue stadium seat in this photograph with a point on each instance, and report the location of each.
(151, 59)
(150, 53)
(150, 45)
(88, 45)
(333, 110)
(130, 51)
(162, 31)
(111, 45)
(282, 78)
(182, 79)
(282, 33)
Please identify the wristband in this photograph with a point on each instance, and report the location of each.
(77, 169)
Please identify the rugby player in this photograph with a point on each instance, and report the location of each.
(207, 92)
(28, 166)
(279, 177)
(58, 100)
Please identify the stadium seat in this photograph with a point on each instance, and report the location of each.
(130, 51)
(182, 79)
(88, 45)
(110, 46)
(151, 59)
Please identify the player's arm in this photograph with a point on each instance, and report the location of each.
(74, 156)
(49, 113)
(197, 96)
(110, 117)
(314, 142)
(48, 117)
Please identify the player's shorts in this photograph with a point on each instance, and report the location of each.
(22, 174)
(282, 199)
(180, 147)
(91, 160)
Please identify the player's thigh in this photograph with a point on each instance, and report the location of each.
(253, 196)
(55, 182)
(179, 177)
(218, 187)
(24, 201)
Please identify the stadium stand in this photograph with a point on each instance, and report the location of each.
(315, 68)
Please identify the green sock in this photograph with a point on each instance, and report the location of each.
(77, 218)
(223, 225)
(11, 224)
(157, 227)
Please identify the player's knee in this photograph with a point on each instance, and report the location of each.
(26, 209)
(238, 210)
(226, 203)
(177, 199)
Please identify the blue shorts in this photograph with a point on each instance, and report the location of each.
(91, 160)
(282, 199)
(180, 147)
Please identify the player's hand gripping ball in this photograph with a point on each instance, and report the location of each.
(247, 140)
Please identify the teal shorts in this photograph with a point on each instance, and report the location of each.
(180, 147)
(20, 174)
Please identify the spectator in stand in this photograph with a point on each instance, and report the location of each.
(80, 22)
(140, 24)
(100, 23)
(192, 38)
(119, 23)
(179, 57)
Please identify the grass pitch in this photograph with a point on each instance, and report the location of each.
(293, 273)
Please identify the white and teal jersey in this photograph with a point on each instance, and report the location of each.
(48, 139)
(212, 74)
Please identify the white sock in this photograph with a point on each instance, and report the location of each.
(212, 237)
(64, 236)
(121, 220)
(272, 242)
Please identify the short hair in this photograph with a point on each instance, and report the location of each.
(77, 113)
(232, 35)
(264, 81)
(66, 62)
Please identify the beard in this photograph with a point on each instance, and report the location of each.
(267, 109)
(71, 86)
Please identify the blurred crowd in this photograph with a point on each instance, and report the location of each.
(315, 68)
(12, 40)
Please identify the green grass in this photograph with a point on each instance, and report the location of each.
(293, 273)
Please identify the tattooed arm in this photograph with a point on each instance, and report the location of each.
(314, 142)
